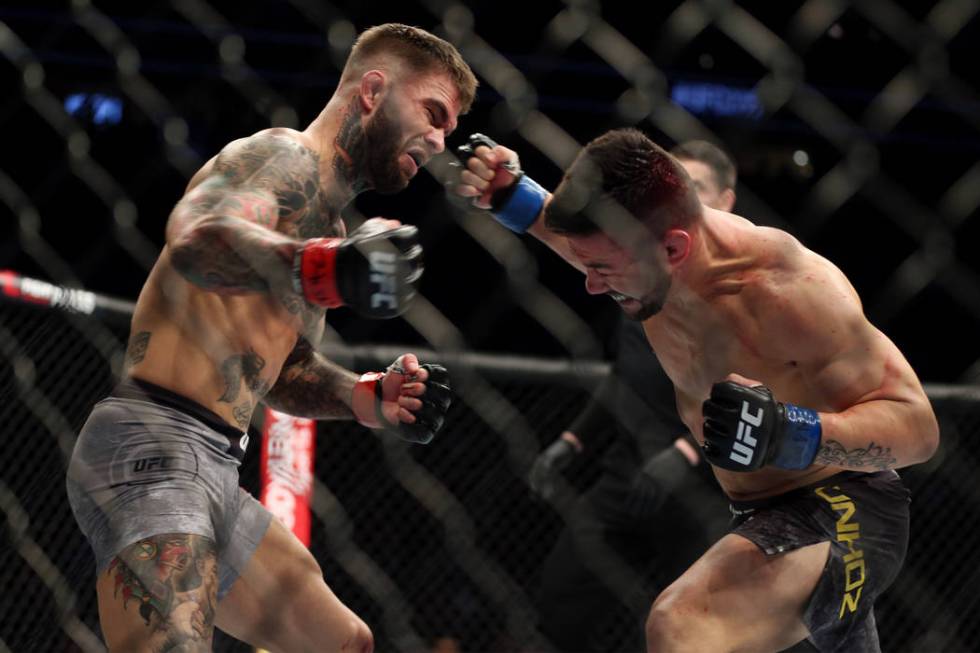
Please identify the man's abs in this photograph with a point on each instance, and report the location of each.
(224, 352)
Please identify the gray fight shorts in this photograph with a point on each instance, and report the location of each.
(150, 462)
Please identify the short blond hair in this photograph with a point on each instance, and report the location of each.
(420, 50)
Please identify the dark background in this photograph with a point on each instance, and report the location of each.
(913, 264)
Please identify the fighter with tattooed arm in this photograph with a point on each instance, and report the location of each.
(231, 315)
(802, 406)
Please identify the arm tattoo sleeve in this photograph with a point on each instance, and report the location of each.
(238, 230)
(312, 387)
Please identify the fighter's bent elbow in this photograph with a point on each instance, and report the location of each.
(925, 435)
(191, 248)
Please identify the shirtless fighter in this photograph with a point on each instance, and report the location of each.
(801, 405)
(231, 315)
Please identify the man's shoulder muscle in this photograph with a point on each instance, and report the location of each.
(277, 161)
(242, 156)
(267, 158)
(807, 302)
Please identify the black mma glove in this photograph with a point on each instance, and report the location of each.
(746, 429)
(374, 388)
(374, 270)
(515, 200)
(549, 465)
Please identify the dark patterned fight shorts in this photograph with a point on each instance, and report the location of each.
(865, 517)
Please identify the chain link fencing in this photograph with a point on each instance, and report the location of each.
(854, 124)
(443, 541)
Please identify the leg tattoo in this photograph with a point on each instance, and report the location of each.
(173, 579)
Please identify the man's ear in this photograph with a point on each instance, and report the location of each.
(369, 92)
(727, 200)
(677, 244)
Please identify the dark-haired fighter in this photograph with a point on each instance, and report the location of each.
(803, 407)
(653, 480)
(231, 315)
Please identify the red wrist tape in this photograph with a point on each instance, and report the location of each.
(317, 272)
(366, 400)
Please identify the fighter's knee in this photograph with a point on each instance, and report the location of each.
(678, 621)
(362, 639)
(662, 628)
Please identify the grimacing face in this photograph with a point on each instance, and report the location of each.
(408, 128)
(636, 278)
(382, 142)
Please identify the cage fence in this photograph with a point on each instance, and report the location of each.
(443, 541)
(447, 541)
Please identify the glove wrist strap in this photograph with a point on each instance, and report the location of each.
(366, 400)
(800, 438)
(315, 272)
(521, 209)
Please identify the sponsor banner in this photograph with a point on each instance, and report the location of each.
(287, 470)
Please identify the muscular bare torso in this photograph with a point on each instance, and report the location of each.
(729, 326)
(225, 351)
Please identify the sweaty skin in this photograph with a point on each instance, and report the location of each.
(752, 305)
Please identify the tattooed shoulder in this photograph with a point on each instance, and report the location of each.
(278, 161)
(264, 158)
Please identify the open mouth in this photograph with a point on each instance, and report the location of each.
(623, 300)
(417, 158)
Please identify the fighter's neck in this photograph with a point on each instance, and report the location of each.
(338, 181)
(720, 263)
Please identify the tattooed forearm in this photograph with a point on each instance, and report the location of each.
(136, 349)
(313, 387)
(238, 230)
(226, 254)
(173, 581)
(873, 456)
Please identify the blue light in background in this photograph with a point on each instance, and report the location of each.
(704, 98)
(98, 108)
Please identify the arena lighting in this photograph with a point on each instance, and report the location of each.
(705, 98)
(97, 108)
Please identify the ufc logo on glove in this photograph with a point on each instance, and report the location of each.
(383, 268)
(745, 429)
(744, 448)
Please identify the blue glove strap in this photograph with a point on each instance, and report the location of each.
(801, 438)
(523, 207)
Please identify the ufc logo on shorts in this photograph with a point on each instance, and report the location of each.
(383, 268)
(744, 446)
